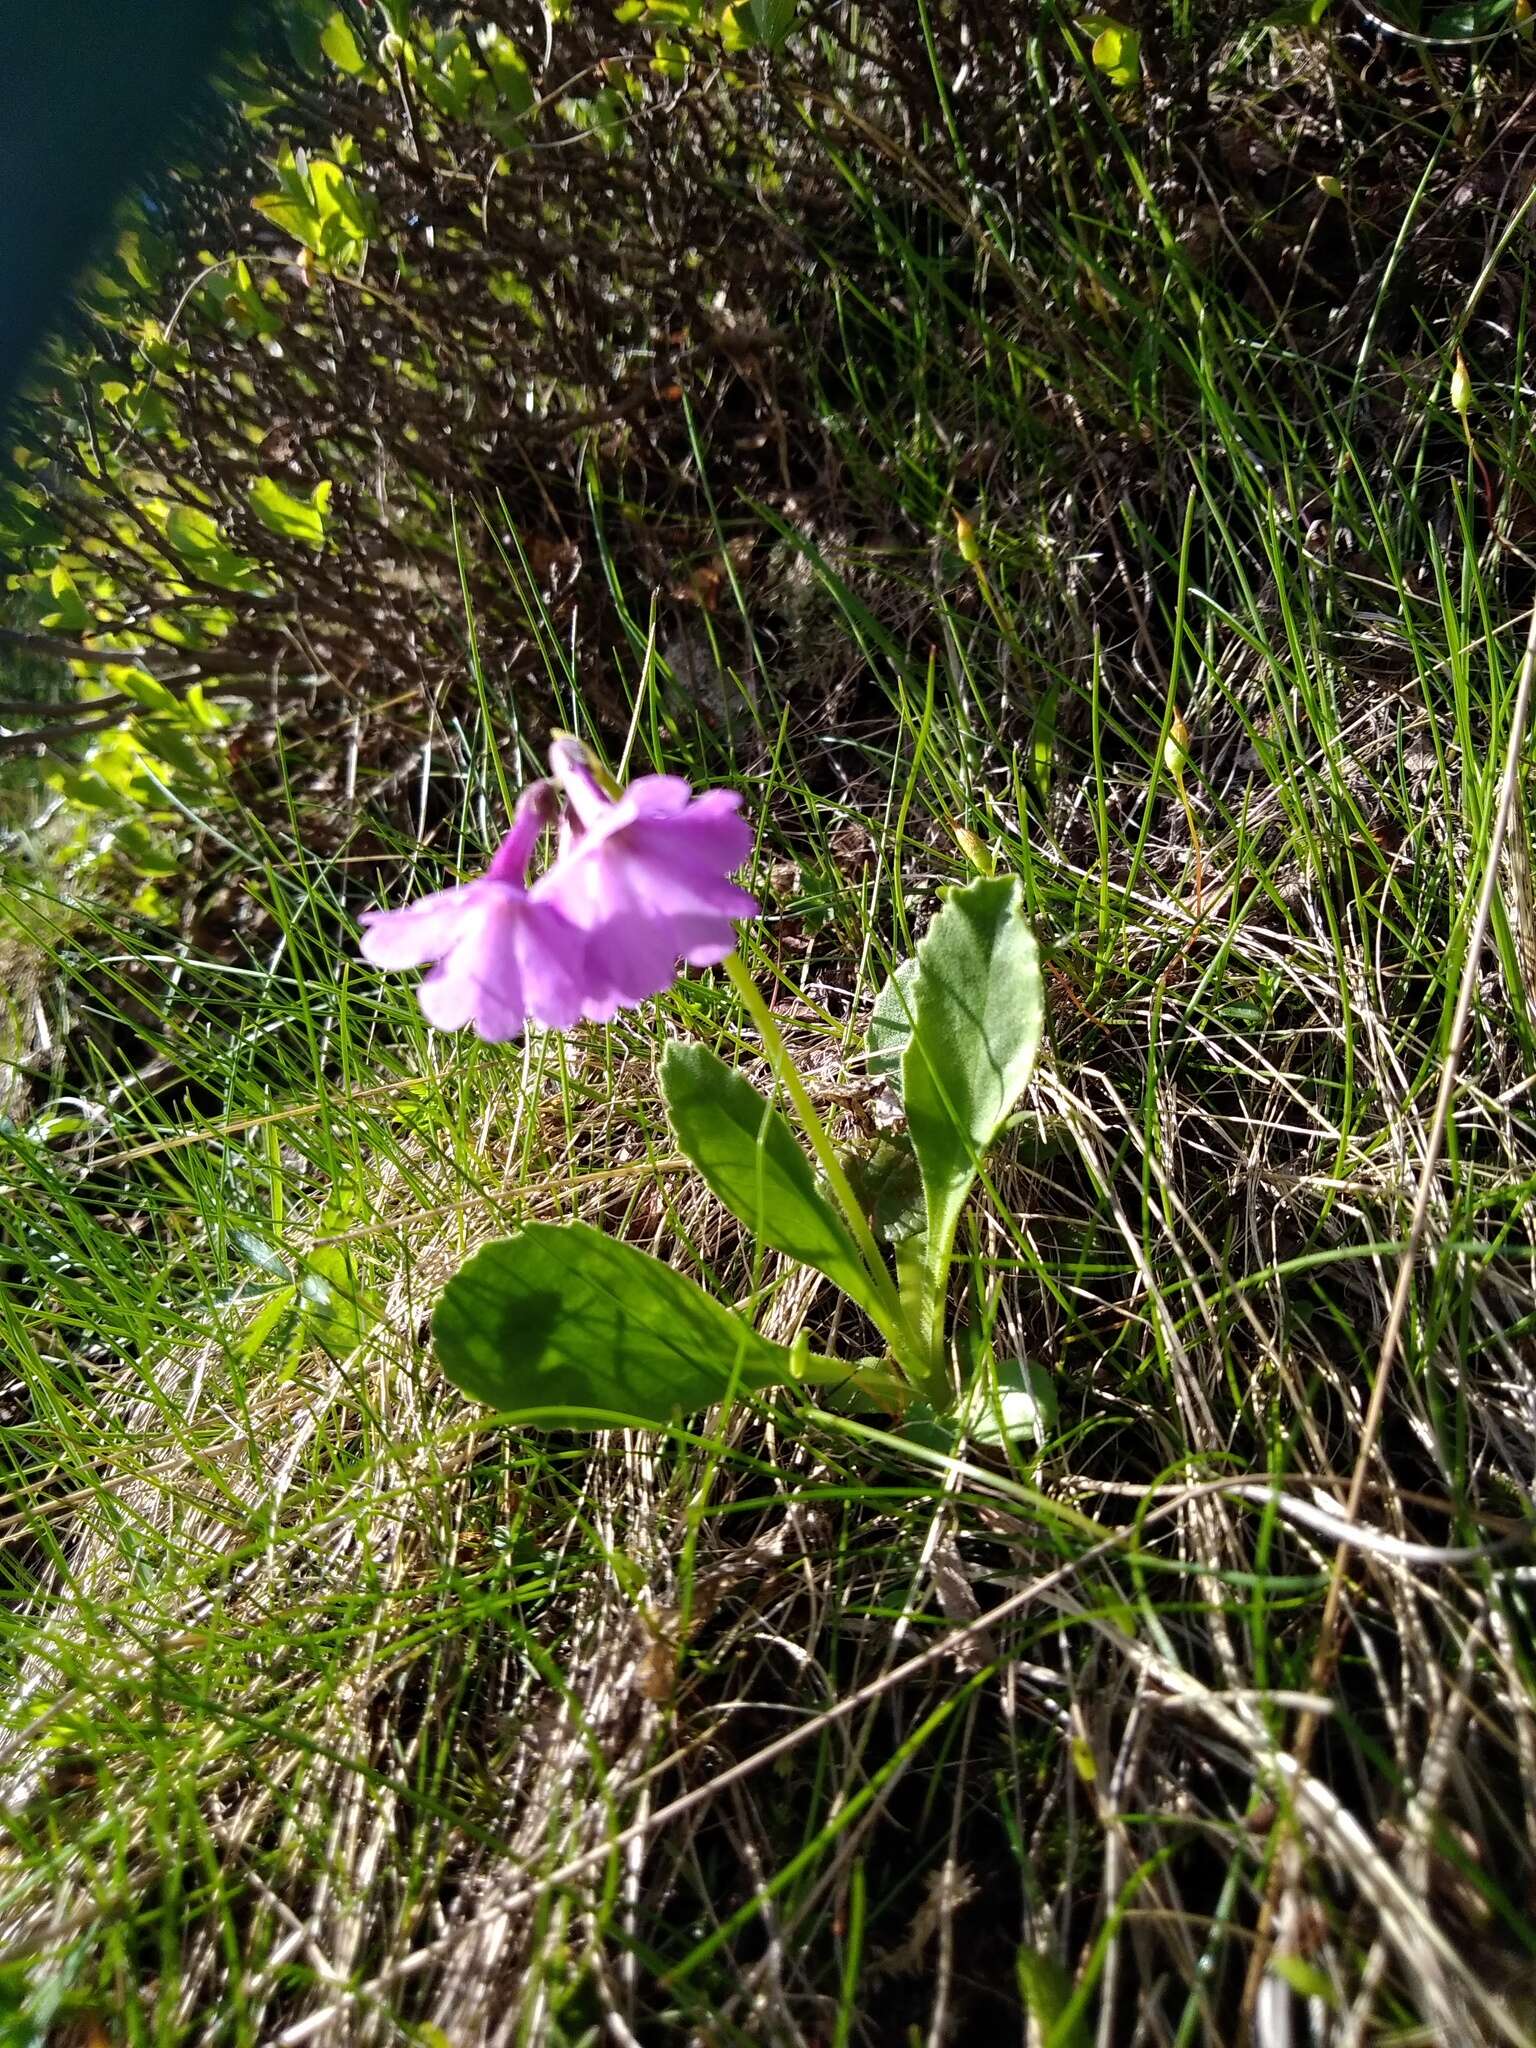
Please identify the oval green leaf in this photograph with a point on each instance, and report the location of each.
(978, 1009)
(564, 1320)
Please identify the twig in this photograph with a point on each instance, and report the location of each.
(52, 647)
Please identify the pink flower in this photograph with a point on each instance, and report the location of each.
(501, 956)
(641, 883)
(645, 879)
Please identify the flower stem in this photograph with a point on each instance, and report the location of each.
(893, 1323)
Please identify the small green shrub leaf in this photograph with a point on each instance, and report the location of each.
(561, 1320)
(300, 519)
(508, 69)
(341, 45)
(750, 1161)
(71, 615)
(195, 539)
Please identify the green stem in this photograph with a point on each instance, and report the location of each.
(892, 1321)
(885, 1390)
(1003, 623)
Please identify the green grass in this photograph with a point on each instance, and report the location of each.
(334, 1713)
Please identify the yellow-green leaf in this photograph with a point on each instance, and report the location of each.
(341, 46)
(1116, 49)
(301, 519)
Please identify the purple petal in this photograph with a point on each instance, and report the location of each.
(720, 837)
(481, 981)
(550, 954)
(625, 963)
(704, 941)
(422, 931)
(651, 869)
(653, 796)
(515, 962)
(447, 995)
(718, 803)
(586, 886)
(671, 874)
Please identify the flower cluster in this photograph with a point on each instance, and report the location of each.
(640, 882)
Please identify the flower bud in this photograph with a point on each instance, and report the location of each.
(1461, 387)
(976, 851)
(1176, 746)
(965, 539)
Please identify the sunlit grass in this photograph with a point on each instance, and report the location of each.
(330, 1708)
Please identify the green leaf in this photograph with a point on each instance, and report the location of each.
(1011, 1402)
(149, 411)
(300, 519)
(602, 116)
(339, 1314)
(1305, 1979)
(176, 752)
(70, 615)
(1046, 1986)
(320, 207)
(260, 1251)
(144, 851)
(293, 216)
(341, 46)
(978, 1010)
(890, 1024)
(773, 20)
(193, 532)
(25, 522)
(671, 58)
(1116, 49)
(1014, 1402)
(144, 255)
(1454, 24)
(508, 69)
(194, 536)
(750, 1161)
(267, 1323)
(889, 1186)
(451, 81)
(345, 213)
(301, 26)
(561, 1320)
